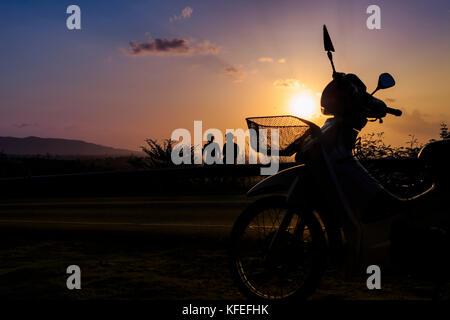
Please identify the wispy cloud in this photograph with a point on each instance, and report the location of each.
(235, 73)
(417, 123)
(286, 83)
(271, 60)
(175, 46)
(25, 125)
(265, 59)
(186, 13)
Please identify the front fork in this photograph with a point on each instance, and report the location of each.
(287, 219)
(274, 244)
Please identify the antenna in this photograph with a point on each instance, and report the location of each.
(328, 46)
(330, 56)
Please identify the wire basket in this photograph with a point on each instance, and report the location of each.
(290, 129)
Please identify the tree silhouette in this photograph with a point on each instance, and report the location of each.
(372, 146)
(160, 154)
(444, 134)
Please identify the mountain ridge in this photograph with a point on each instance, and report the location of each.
(33, 145)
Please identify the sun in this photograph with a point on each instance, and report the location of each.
(304, 105)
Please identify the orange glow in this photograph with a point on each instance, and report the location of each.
(304, 105)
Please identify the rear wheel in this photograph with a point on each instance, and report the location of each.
(289, 268)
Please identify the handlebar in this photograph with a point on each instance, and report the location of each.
(378, 109)
(395, 112)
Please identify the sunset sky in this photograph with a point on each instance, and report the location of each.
(140, 69)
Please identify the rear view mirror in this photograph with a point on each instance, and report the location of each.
(385, 80)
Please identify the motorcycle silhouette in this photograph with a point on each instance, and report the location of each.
(328, 209)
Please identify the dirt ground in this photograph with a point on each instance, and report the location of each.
(154, 269)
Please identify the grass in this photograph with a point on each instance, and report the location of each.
(190, 271)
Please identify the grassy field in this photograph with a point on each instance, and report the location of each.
(149, 265)
(154, 269)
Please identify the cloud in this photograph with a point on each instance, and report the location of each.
(415, 122)
(235, 73)
(265, 59)
(175, 46)
(270, 60)
(25, 125)
(286, 83)
(186, 13)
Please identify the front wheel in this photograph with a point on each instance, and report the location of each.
(287, 269)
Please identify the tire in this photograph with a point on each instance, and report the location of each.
(293, 269)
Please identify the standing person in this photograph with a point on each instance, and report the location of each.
(230, 150)
(211, 151)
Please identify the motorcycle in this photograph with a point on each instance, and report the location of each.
(328, 209)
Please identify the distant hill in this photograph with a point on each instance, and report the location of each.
(58, 147)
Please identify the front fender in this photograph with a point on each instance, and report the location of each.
(279, 182)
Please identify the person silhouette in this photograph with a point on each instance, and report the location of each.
(230, 149)
(211, 150)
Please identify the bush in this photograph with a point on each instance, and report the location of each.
(159, 154)
(372, 146)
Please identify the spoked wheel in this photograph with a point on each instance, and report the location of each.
(289, 267)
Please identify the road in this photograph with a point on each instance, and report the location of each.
(173, 248)
(128, 248)
(188, 215)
